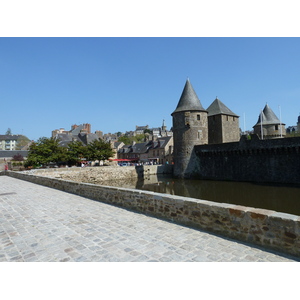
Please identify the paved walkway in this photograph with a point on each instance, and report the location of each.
(43, 224)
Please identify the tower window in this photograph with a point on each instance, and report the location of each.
(198, 117)
(276, 127)
(199, 134)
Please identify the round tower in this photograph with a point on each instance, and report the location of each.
(298, 124)
(268, 125)
(189, 129)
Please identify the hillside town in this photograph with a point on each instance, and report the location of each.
(154, 145)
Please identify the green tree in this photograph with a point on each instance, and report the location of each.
(99, 150)
(125, 139)
(75, 152)
(128, 140)
(44, 151)
(8, 131)
(148, 131)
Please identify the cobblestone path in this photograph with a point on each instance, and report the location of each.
(40, 224)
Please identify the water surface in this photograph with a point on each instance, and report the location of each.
(274, 197)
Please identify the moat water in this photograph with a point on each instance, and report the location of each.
(274, 197)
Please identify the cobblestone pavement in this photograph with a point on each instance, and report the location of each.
(40, 224)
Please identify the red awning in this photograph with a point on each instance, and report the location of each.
(125, 159)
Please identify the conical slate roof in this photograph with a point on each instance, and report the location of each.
(218, 107)
(268, 117)
(188, 100)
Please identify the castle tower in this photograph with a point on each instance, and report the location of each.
(298, 124)
(268, 125)
(223, 124)
(189, 129)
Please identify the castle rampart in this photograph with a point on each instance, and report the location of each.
(255, 160)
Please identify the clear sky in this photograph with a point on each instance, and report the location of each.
(117, 83)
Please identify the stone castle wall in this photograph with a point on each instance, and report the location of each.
(255, 160)
(223, 129)
(273, 230)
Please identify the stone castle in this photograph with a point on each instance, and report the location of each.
(208, 144)
(193, 125)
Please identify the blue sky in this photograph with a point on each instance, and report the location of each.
(117, 83)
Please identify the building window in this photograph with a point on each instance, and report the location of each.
(276, 127)
(198, 117)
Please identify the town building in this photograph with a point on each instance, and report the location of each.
(156, 151)
(153, 132)
(81, 133)
(11, 142)
(294, 129)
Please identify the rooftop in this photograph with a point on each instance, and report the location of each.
(188, 100)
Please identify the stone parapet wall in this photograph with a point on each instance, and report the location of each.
(270, 229)
(99, 175)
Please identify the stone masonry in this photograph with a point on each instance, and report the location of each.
(270, 229)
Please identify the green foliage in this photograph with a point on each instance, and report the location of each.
(99, 150)
(292, 134)
(47, 150)
(125, 139)
(8, 131)
(128, 140)
(76, 152)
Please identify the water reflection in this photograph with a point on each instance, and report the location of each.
(278, 198)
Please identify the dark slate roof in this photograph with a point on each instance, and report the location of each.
(11, 153)
(77, 130)
(142, 127)
(188, 100)
(140, 147)
(268, 117)
(9, 137)
(219, 108)
(87, 138)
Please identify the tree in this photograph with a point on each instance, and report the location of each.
(44, 151)
(75, 152)
(128, 140)
(125, 139)
(18, 157)
(8, 131)
(99, 150)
